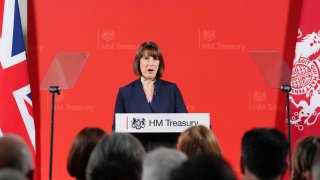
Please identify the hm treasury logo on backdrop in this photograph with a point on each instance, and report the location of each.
(207, 40)
(305, 95)
(107, 40)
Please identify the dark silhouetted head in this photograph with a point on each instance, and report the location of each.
(116, 157)
(158, 164)
(203, 167)
(264, 153)
(15, 154)
(81, 149)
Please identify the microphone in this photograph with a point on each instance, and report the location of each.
(54, 89)
(285, 88)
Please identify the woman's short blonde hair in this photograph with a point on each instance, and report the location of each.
(198, 139)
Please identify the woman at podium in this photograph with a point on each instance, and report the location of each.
(150, 94)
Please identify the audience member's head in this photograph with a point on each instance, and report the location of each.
(304, 156)
(157, 164)
(198, 139)
(116, 157)
(203, 167)
(264, 153)
(316, 164)
(11, 174)
(81, 150)
(15, 154)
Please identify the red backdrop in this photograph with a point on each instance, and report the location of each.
(205, 46)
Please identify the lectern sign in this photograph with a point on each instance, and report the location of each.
(159, 122)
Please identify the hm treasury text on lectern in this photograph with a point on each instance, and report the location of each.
(158, 128)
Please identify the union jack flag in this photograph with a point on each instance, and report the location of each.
(16, 114)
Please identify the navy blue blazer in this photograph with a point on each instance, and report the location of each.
(167, 98)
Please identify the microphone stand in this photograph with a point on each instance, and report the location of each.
(287, 89)
(53, 90)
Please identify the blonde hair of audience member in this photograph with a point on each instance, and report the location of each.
(198, 139)
(15, 154)
(304, 157)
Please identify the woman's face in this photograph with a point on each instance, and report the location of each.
(149, 67)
